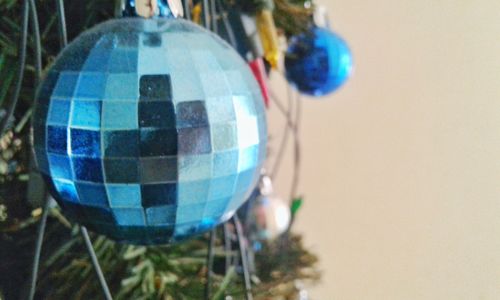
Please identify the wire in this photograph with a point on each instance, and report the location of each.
(20, 73)
(244, 258)
(297, 152)
(38, 248)
(95, 263)
(206, 19)
(289, 126)
(214, 17)
(63, 34)
(210, 263)
(187, 10)
(227, 26)
(38, 43)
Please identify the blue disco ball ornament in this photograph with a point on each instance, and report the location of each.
(318, 62)
(149, 131)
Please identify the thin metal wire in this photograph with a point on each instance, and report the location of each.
(244, 258)
(38, 44)
(227, 246)
(38, 248)
(210, 263)
(187, 10)
(20, 73)
(289, 126)
(296, 159)
(206, 17)
(214, 17)
(63, 34)
(95, 263)
(227, 26)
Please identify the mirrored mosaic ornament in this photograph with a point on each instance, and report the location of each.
(149, 131)
(318, 62)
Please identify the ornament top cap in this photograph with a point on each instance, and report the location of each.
(150, 8)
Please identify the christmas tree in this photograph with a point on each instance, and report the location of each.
(278, 267)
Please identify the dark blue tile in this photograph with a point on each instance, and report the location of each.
(91, 85)
(72, 210)
(85, 142)
(98, 214)
(156, 114)
(192, 114)
(159, 194)
(194, 140)
(121, 143)
(87, 169)
(156, 170)
(92, 194)
(57, 139)
(121, 170)
(158, 142)
(155, 87)
(60, 167)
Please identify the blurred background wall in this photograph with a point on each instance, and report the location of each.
(401, 167)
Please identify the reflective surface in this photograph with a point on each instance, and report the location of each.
(318, 62)
(149, 131)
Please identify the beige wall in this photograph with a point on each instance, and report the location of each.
(401, 168)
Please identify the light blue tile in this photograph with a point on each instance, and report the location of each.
(66, 190)
(124, 195)
(161, 215)
(122, 86)
(86, 114)
(225, 163)
(66, 85)
(193, 192)
(222, 187)
(190, 213)
(195, 167)
(248, 158)
(129, 216)
(119, 115)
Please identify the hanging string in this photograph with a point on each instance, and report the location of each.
(20, 73)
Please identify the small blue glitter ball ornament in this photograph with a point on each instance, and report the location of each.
(318, 62)
(149, 131)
